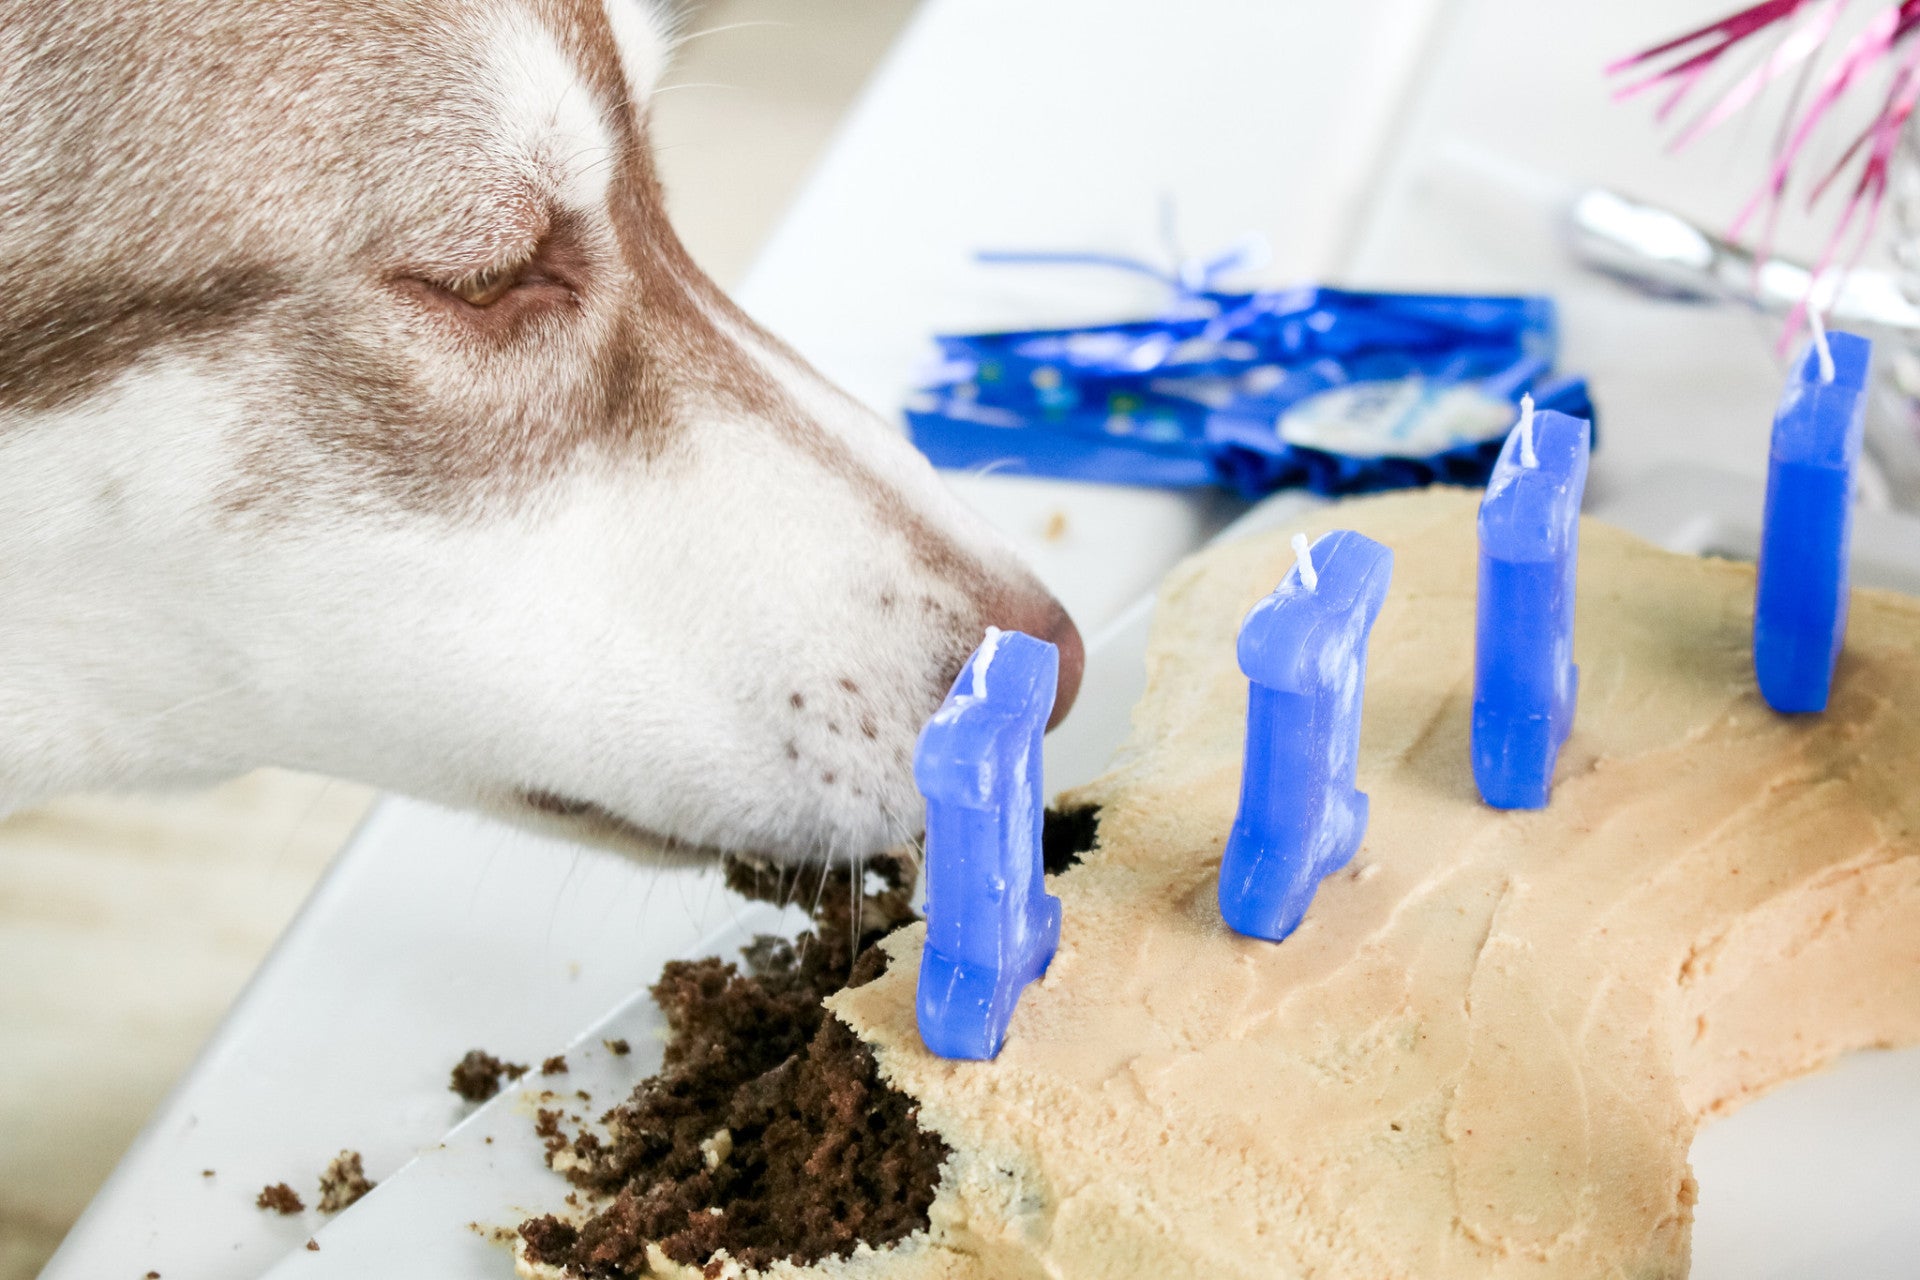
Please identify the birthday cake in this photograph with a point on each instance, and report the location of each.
(1487, 1048)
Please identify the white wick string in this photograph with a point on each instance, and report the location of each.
(1528, 458)
(1303, 556)
(983, 658)
(1820, 346)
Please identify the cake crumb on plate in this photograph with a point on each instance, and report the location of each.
(342, 1182)
(477, 1076)
(280, 1198)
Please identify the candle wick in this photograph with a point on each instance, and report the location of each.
(1820, 346)
(983, 658)
(1303, 556)
(1528, 458)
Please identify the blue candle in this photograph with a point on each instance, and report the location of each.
(1524, 680)
(1304, 651)
(991, 925)
(1800, 604)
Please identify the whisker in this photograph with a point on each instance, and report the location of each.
(857, 908)
(681, 41)
(199, 698)
(559, 897)
(306, 815)
(791, 883)
(689, 84)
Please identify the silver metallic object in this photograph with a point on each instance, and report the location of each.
(1662, 252)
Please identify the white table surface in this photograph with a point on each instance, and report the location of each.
(994, 123)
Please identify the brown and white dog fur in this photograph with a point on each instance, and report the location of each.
(361, 413)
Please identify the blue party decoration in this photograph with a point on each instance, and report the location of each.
(991, 925)
(1800, 603)
(1303, 650)
(1524, 681)
(1333, 390)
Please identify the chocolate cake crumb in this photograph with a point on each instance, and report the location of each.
(313, 1246)
(618, 1048)
(554, 1066)
(343, 1182)
(549, 1238)
(1066, 835)
(280, 1198)
(206, 1173)
(768, 1132)
(477, 1076)
(153, 1275)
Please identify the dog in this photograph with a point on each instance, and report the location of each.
(361, 413)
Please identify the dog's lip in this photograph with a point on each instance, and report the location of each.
(604, 822)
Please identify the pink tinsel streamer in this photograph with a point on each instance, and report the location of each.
(1874, 44)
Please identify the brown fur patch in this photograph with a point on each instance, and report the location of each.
(59, 347)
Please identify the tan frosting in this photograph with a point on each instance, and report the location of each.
(1487, 1048)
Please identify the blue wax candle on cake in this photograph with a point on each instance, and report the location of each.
(1304, 651)
(1525, 684)
(991, 925)
(1800, 602)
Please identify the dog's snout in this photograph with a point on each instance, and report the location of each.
(1044, 619)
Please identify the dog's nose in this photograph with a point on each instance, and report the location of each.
(1073, 662)
(1046, 620)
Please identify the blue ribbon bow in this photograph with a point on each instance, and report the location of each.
(1338, 391)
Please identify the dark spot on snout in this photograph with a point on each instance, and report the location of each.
(849, 685)
(797, 702)
(793, 751)
(829, 777)
(868, 727)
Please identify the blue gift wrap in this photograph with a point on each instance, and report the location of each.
(1333, 390)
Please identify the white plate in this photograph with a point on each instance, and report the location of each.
(1821, 1179)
